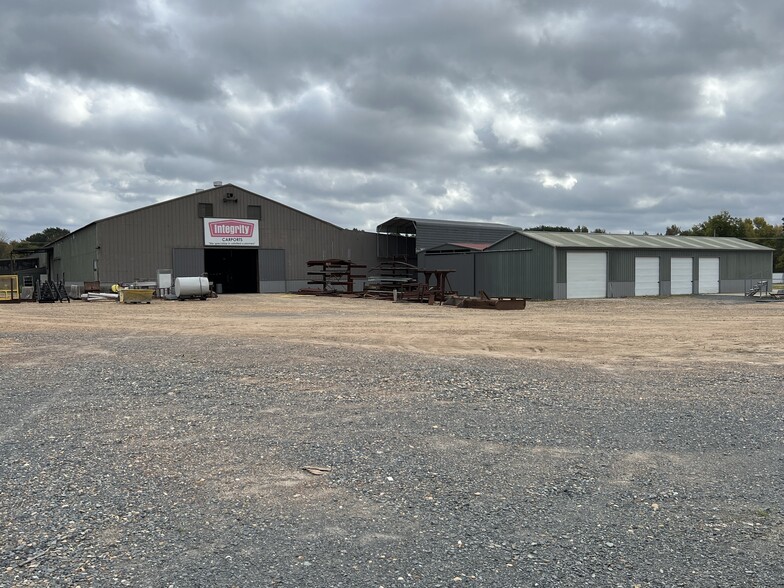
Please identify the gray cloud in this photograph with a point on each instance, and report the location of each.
(621, 114)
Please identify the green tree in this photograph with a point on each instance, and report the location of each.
(756, 230)
(779, 241)
(720, 225)
(552, 229)
(35, 240)
(761, 231)
(47, 236)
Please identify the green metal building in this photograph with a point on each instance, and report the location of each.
(550, 265)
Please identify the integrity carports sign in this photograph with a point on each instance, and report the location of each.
(231, 232)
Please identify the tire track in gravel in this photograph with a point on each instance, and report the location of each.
(9, 430)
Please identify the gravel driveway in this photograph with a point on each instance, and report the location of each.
(160, 461)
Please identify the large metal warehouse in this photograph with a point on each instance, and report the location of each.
(242, 241)
(550, 265)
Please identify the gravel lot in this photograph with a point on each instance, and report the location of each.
(142, 452)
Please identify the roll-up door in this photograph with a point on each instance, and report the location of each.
(681, 275)
(646, 276)
(586, 274)
(709, 275)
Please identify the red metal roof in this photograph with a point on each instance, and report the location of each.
(476, 246)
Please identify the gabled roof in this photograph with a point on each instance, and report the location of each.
(605, 241)
(200, 192)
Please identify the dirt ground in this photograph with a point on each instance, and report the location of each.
(612, 332)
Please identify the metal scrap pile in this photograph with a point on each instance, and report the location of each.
(483, 301)
(391, 280)
(397, 280)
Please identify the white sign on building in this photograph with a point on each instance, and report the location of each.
(231, 232)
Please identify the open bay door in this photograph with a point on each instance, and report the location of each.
(646, 276)
(708, 269)
(681, 275)
(586, 274)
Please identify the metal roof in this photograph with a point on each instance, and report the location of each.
(461, 246)
(201, 193)
(477, 246)
(605, 241)
(405, 225)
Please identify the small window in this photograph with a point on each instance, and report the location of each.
(205, 209)
(254, 212)
(27, 281)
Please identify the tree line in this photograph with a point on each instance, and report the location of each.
(31, 242)
(756, 230)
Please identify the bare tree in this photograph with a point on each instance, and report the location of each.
(5, 245)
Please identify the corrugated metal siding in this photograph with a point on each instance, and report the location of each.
(136, 244)
(560, 266)
(539, 272)
(358, 246)
(272, 265)
(306, 238)
(745, 265)
(622, 263)
(74, 255)
(187, 262)
(462, 279)
(733, 265)
(501, 274)
(506, 269)
(433, 235)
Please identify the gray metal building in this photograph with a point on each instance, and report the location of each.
(241, 240)
(405, 237)
(550, 265)
(459, 257)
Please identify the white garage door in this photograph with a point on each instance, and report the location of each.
(586, 274)
(709, 275)
(646, 276)
(681, 273)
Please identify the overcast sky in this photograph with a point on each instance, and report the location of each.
(629, 115)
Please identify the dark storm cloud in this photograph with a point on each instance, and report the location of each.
(104, 41)
(622, 114)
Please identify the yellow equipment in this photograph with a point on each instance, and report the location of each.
(135, 296)
(9, 289)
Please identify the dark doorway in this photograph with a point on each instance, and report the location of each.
(233, 271)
